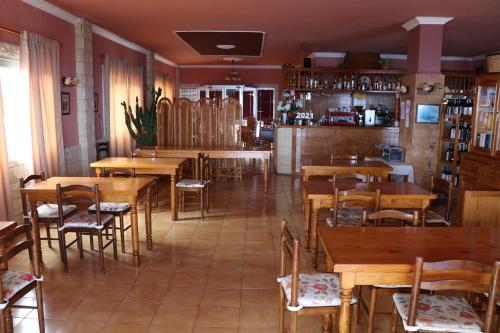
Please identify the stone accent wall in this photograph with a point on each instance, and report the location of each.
(74, 164)
(85, 95)
(149, 77)
(17, 170)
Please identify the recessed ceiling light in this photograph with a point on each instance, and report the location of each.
(225, 46)
(231, 59)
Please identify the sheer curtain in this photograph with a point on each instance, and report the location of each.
(166, 83)
(5, 197)
(124, 83)
(39, 59)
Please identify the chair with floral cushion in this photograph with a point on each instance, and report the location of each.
(117, 209)
(306, 294)
(349, 205)
(14, 285)
(47, 212)
(377, 218)
(197, 185)
(437, 214)
(84, 222)
(445, 313)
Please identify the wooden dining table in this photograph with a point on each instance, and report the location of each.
(217, 153)
(386, 255)
(130, 190)
(325, 166)
(321, 194)
(148, 166)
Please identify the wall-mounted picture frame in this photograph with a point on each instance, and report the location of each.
(428, 113)
(96, 100)
(65, 103)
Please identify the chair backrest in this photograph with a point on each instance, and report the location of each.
(445, 188)
(352, 157)
(459, 275)
(79, 195)
(101, 147)
(355, 198)
(290, 254)
(340, 176)
(165, 122)
(24, 201)
(202, 166)
(145, 153)
(376, 217)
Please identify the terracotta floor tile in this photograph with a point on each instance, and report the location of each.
(175, 315)
(221, 297)
(146, 293)
(220, 281)
(169, 329)
(259, 297)
(217, 316)
(127, 327)
(31, 326)
(259, 281)
(258, 317)
(77, 326)
(184, 296)
(188, 280)
(105, 292)
(134, 312)
(215, 330)
(96, 311)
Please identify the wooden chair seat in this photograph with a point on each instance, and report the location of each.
(439, 313)
(13, 282)
(314, 290)
(82, 220)
(434, 217)
(50, 211)
(192, 183)
(112, 207)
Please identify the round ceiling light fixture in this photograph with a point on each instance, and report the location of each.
(225, 46)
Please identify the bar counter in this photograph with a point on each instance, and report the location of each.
(294, 142)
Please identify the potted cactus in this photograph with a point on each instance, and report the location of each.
(142, 126)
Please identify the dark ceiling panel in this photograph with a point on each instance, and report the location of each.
(248, 43)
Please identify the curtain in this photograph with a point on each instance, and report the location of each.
(124, 83)
(166, 83)
(39, 59)
(5, 197)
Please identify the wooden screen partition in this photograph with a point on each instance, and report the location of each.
(205, 123)
(229, 121)
(165, 125)
(183, 123)
(481, 209)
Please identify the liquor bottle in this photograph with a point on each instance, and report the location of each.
(334, 87)
(449, 107)
(456, 107)
(452, 131)
(449, 153)
(461, 131)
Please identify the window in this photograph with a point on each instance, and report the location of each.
(189, 93)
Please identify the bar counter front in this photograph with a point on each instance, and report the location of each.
(292, 143)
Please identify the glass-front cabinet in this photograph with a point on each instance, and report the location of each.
(486, 119)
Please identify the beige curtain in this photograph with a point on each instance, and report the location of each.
(125, 84)
(166, 83)
(39, 58)
(5, 197)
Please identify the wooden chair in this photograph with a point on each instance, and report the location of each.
(375, 291)
(137, 173)
(101, 147)
(352, 201)
(352, 157)
(435, 312)
(197, 185)
(357, 177)
(83, 222)
(15, 285)
(443, 189)
(298, 293)
(117, 209)
(48, 214)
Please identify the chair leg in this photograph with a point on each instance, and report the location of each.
(394, 321)
(101, 250)
(62, 247)
(207, 202)
(113, 230)
(39, 307)
(293, 321)
(122, 232)
(3, 323)
(79, 243)
(91, 242)
(327, 323)
(157, 195)
(354, 318)
(201, 205)
(47, 229)
(282, 311)
(371, 308)
(9, 324)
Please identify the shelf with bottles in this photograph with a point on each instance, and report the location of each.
(486, 115)
(333, 80)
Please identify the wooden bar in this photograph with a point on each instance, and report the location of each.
(294, 142)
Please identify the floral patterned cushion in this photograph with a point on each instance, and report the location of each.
(49, 211)
(348, 217)
(12, 282)
(314, 290)
(111, 207)
(439, 313)
(192, 183)
(86, 221)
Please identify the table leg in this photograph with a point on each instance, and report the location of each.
(147, 211)
(423, 217)
(314, 237)
(347, 285)
(135, 234)
(173, 195)
(307, 224)
(35, 236)
(266, 175)
(99, 172)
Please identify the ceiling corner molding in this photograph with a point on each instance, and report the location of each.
(117, 39)
(53, 10)
(426, 20)
(165, 60)
(327, 55)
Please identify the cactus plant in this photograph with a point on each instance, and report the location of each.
(144, 122)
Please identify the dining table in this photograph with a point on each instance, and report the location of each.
(327, 166)
(319, 194)
(386, 255)
(146, 166)
(129, 190)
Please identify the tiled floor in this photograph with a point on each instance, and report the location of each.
(214, 276)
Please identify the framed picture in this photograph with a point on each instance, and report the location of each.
(428, 113)
(96, 100)
(65, 103)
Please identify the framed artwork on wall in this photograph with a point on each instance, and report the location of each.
(428, 113)
(96, 99)
(65, 103)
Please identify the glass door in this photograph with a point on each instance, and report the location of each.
(249, 103)
(486, 109)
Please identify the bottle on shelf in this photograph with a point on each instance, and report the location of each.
(461, 131)
(452, 131)
(449, 153)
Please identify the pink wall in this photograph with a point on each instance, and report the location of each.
(100, 47)
(17, 15)
(249, 76)
(425, 44)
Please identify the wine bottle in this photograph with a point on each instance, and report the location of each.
(461, 131)
(452, 131)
